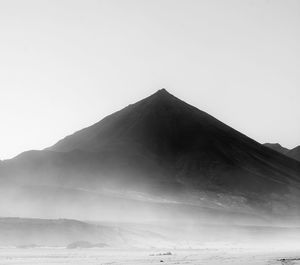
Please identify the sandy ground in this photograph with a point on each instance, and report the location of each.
(139, 257)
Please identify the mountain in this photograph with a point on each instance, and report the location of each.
(277, 147)
(293, 153)
(161, 156)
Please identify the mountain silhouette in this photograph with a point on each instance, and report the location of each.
(293, 153)
(162, 147)
(277, 147)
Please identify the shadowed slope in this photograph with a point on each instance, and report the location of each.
(277, 147)
(292, 153)
(295, 153)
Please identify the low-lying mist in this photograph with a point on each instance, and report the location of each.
(29, 233)
(113, 217)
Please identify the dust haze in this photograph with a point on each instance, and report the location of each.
(149, 132)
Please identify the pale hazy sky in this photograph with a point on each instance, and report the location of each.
(66, 64)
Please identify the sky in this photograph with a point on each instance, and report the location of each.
(67, 64)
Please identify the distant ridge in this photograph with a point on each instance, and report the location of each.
(293, 153)
(277, 147)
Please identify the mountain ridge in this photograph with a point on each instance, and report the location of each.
(295, 153)
(292, 153)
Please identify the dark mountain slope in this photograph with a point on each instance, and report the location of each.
(277, 147)
(295, 153)
(163, 147)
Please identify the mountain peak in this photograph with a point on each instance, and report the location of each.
(162, 96)
(163, 93)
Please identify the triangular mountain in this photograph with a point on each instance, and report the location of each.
(164, 147)
(191, 145)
